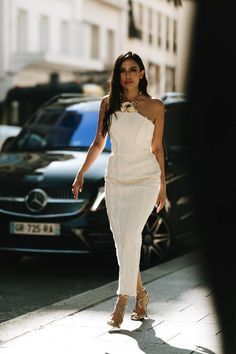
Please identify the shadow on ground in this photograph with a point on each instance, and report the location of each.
(150, 343)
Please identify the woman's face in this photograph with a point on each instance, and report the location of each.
(130, 74)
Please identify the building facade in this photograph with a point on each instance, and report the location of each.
(79, 39)
(161, 36)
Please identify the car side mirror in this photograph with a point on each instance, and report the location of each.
(7, 143)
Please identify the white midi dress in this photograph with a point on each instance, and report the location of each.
(132, 183)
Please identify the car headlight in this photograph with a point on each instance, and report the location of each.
(99, 200)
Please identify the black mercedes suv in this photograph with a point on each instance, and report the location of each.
(38, 213)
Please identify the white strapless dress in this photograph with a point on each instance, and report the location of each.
(132, 183)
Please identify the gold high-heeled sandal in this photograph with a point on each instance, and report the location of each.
(117, 315)
(140, 310)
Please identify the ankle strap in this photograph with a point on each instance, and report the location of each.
(143, 289)
(126, 296)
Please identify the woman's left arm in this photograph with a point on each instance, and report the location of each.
(157, 149)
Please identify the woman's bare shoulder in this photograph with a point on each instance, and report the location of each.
(154, 103)
(104, 101)
(105, 98)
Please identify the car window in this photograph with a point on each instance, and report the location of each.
(176, 125)
(73, 127)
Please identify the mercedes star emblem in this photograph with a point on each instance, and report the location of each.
(36, 200)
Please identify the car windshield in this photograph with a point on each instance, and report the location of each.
(54, 128)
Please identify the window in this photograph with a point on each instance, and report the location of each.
(95, 41)
(150, 26)
(140, 19)
(167, 33)
(176, 128)
(159, 41)
(170, 79)
(175, 37)
(64, 37)
(56, 128)
(150, 73)
(44, 33)
(157, 78)
(22, 30)
(154, 76)
(110, 46)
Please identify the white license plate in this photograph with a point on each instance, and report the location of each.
(33, 228)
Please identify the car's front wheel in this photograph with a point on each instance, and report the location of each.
(157, 240)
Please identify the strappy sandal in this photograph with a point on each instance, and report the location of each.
(140, 310)
(117, 315)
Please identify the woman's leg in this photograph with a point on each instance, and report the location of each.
(117, 315)
(139, 282)
(142, 298)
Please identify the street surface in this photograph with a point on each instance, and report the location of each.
(181, 318)
(35, 282)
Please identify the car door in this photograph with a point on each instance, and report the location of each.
(178, 176)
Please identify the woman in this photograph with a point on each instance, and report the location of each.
(135, 176)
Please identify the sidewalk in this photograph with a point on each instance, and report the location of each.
(181, 319)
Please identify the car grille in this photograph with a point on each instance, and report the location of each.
(52, 192)
(59, 192)
(60, 202)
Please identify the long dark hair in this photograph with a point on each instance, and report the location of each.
(116, 90)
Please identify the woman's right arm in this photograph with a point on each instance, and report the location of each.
(94, 151)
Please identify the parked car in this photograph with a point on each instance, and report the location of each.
(38, 213)
(7, 131)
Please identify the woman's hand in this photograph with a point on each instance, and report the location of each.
(77, 184)
(161, 198)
